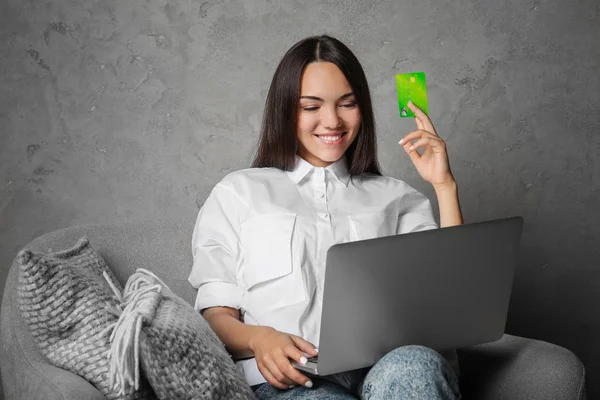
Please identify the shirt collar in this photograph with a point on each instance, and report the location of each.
(338, 169)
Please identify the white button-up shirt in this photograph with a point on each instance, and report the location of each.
(261, 239)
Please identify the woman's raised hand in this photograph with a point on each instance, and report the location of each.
(433, 164)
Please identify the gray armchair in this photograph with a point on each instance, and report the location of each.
(512, 368)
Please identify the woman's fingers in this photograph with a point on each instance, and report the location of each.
(422, 119)
(420, 124)
(419, 143)
(295, 354)
(437, 145)
(410, 136)
(304, 346)
(274, 375)
(418, 134)
(290, 372)
(412, 148)
(271, 379)
(273, 359)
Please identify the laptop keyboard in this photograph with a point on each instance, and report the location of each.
(314, 359)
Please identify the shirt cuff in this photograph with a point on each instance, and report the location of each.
(218, 294)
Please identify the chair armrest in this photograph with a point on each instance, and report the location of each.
(518, 368)
(44, 381)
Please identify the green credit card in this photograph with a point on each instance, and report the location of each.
(411, 86)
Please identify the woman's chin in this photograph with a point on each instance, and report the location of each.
(330, 156)
(323, 156)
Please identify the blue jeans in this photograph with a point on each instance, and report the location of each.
(408, 372)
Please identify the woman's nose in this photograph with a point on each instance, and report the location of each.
(331, 119)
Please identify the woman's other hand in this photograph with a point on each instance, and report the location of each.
(433, 165)
(273, 350)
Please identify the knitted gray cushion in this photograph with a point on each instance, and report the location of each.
(178, 351)
(65, 301)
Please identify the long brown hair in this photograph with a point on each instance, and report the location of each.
(278, 143)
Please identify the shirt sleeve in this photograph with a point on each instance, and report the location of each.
(216, 250)
(415, 214)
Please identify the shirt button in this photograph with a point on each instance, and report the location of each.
(321, 195)
(325, 215)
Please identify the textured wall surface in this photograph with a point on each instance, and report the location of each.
(115, 110)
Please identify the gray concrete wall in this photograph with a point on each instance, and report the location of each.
(117, 110)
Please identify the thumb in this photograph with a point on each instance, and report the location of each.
(414, 155)
(304, 346)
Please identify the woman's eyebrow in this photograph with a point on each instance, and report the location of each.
(320, 99)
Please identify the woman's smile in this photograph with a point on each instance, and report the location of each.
(330, 139)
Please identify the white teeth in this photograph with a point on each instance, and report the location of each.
(330, 138)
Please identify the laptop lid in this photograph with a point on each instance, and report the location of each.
(444, 288)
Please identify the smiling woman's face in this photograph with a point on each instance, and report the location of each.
(328, 117)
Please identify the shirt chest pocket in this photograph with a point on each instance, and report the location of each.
(371, 225)
(272, 278)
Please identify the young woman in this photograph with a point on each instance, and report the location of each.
(261, 237)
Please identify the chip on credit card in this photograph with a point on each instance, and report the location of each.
(411, 86)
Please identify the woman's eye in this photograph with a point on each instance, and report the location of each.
(349, 105)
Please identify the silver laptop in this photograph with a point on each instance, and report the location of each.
(444, 288)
